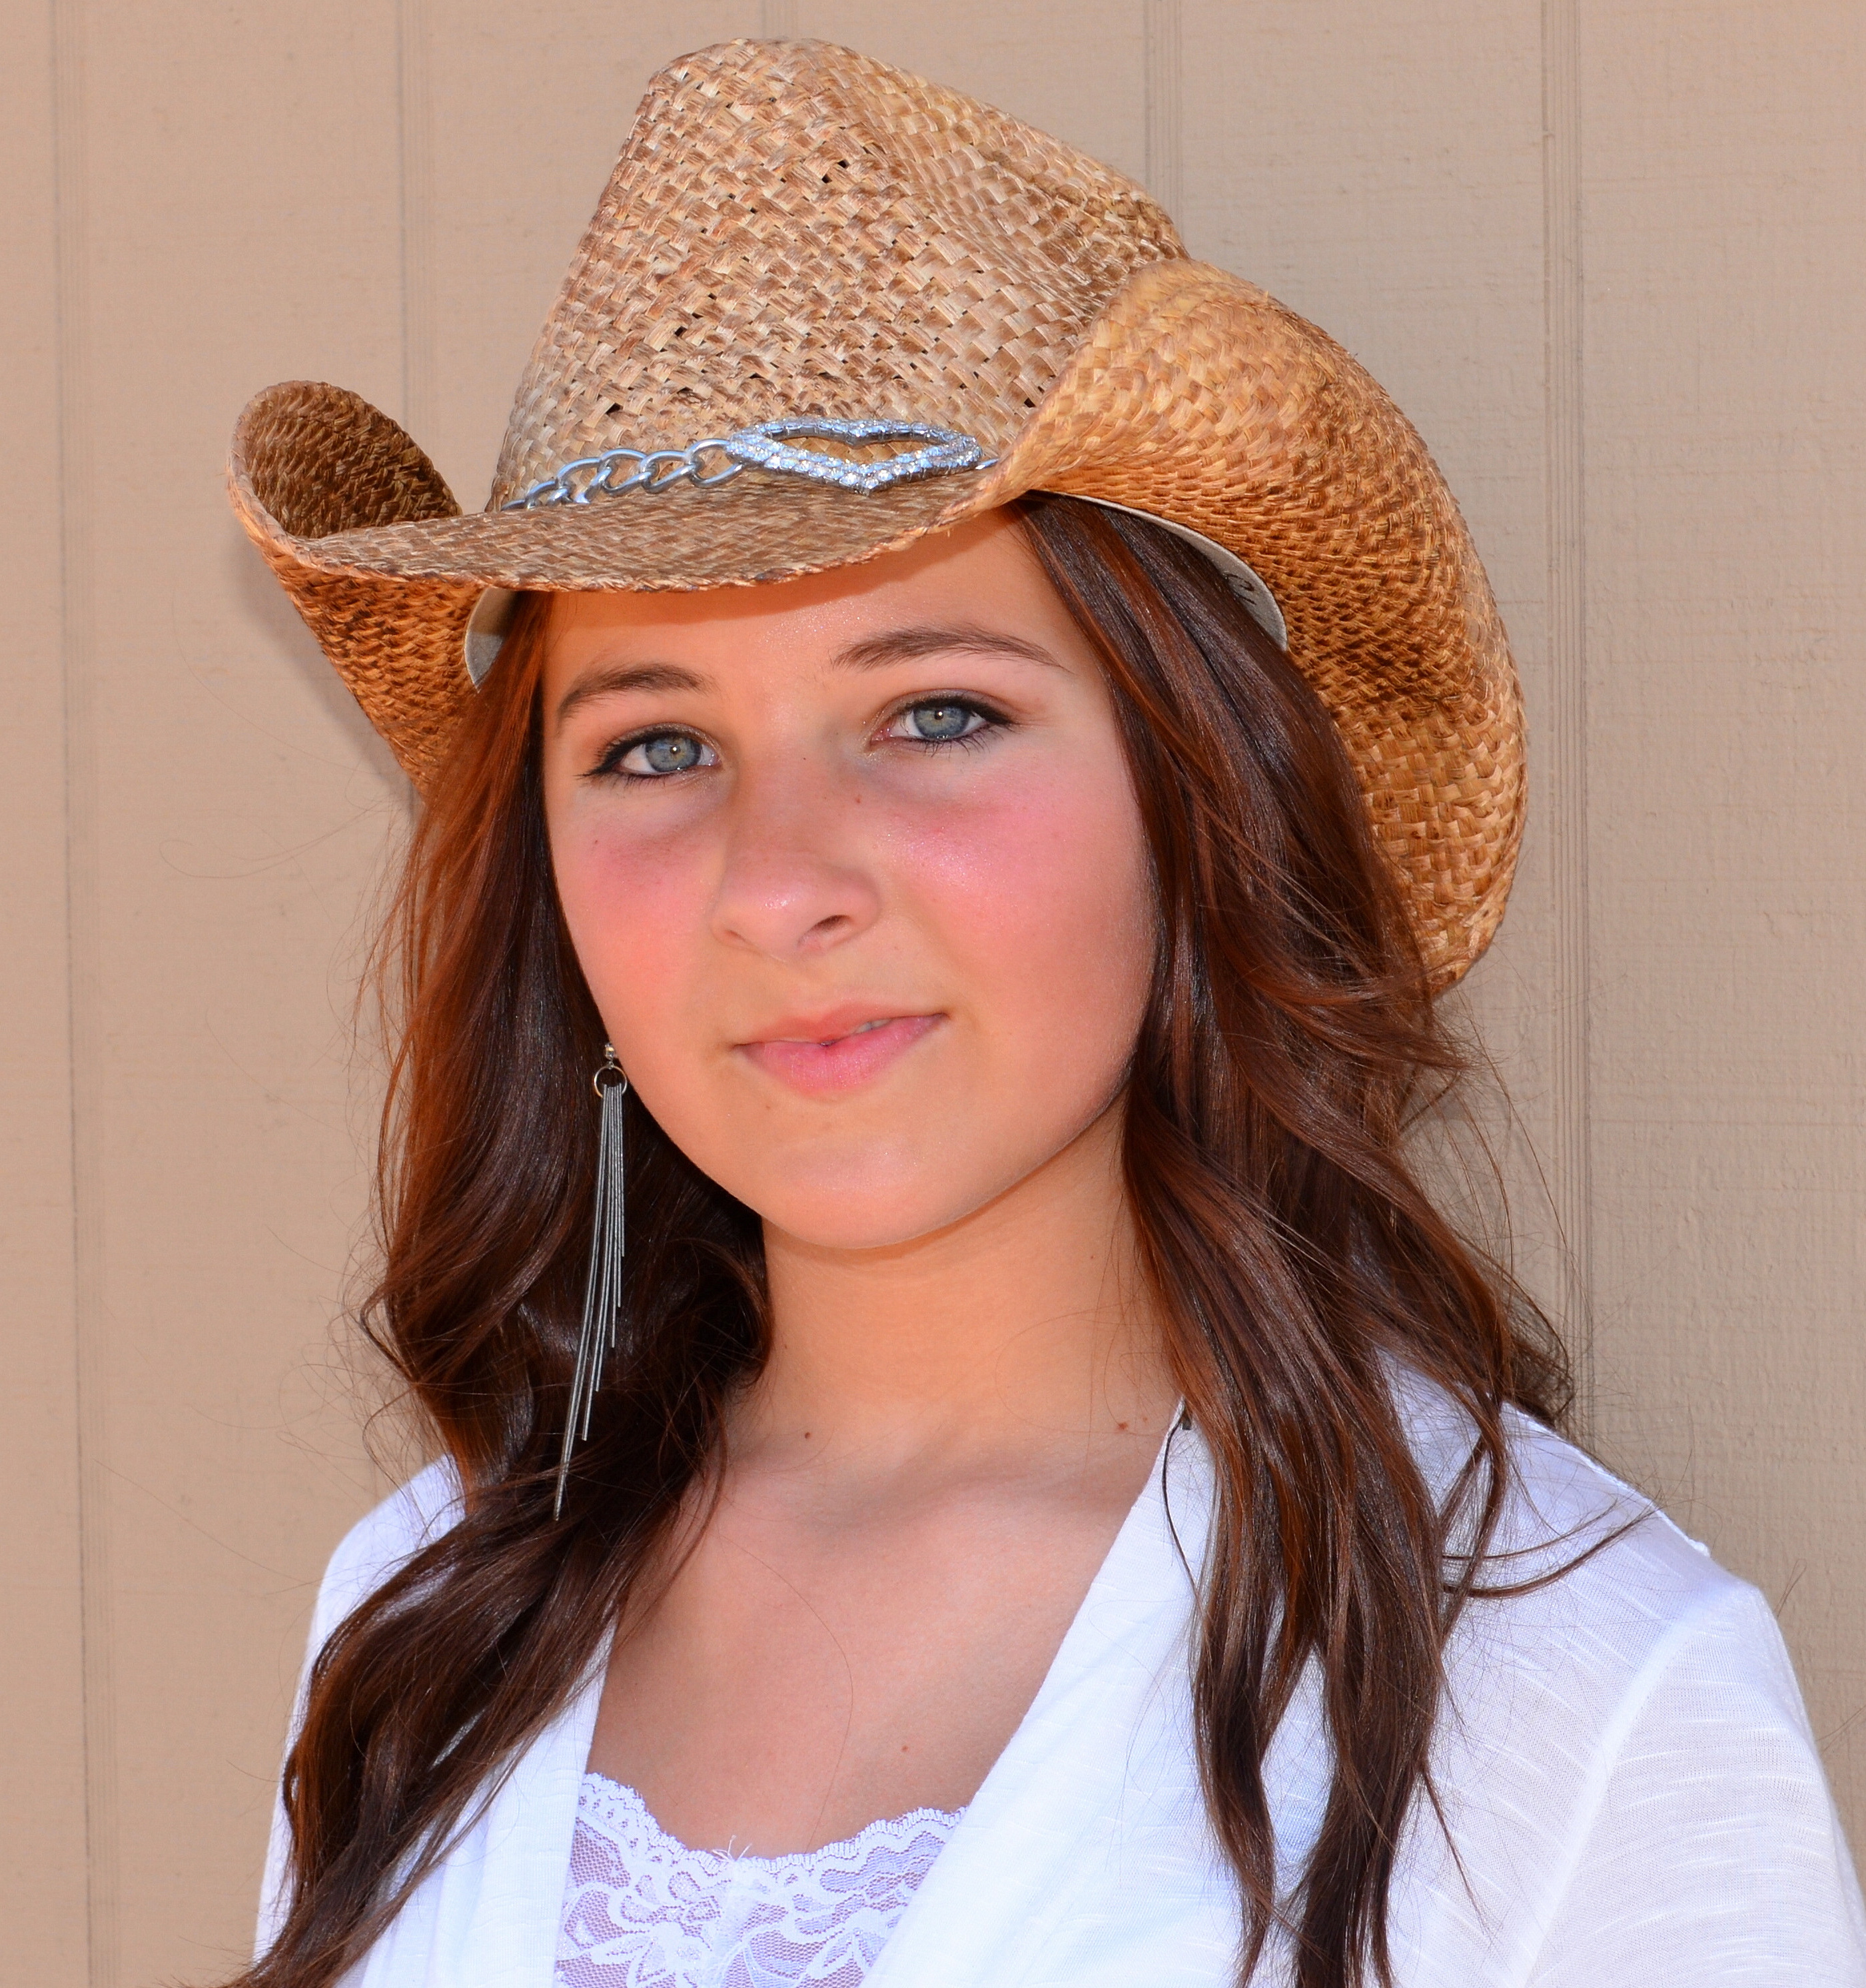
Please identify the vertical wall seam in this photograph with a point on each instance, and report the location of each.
(1566, 757)
(84, 952)
(1163, 74)
(415, 154)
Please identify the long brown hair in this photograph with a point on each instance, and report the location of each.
(1288, 1037)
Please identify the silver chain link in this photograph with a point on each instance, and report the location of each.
(617, 472)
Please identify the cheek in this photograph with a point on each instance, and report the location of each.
(1040, 895)
(636, 911)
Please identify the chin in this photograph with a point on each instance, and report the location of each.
(866, 1200)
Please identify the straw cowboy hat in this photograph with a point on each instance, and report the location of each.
(825, 307)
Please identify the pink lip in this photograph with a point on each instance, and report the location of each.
(825, 1057)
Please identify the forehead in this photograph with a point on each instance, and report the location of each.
(982, 571)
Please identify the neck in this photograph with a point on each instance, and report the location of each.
(1026, 1328)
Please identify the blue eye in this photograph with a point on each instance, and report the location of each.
(941, 721)
(665, 753)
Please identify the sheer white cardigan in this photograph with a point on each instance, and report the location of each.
(1631, 1789)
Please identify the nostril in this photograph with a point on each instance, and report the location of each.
(780, 896)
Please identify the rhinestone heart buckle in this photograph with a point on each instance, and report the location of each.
(768, 446)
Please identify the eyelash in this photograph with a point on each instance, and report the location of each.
(610, 766)
(995, 721)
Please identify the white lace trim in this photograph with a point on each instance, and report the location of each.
(642, 1910)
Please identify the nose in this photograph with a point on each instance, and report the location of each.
(796, 879)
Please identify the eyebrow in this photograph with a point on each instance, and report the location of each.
(907, 645)
(873, 652)
(622, 677)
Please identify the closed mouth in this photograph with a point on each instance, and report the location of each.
(831, 1056)
(824, 1042)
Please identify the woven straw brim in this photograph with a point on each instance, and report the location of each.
(1194, 397)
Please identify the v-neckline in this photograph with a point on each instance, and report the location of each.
(1137, 1606)
(1137, 1610)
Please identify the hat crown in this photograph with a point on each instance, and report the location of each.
(793, 229)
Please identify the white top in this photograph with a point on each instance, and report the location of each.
(641, 1910)
(1633, 1796)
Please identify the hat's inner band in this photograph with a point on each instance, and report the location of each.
(1256, 599)
(485, 632)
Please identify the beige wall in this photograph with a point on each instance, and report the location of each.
(1608, 255)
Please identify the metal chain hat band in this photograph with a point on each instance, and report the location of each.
(767, 446)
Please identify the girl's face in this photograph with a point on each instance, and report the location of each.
(855, 871)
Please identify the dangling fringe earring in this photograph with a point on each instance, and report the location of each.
(603, 1292)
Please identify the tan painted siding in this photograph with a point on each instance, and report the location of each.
(1609, 258)
(42, 1756)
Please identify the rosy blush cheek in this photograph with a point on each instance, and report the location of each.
(636, 911)
(1040, 887)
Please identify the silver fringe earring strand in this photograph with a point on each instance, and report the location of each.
(603, 1292)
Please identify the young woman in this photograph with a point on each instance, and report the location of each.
(970, 1459)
